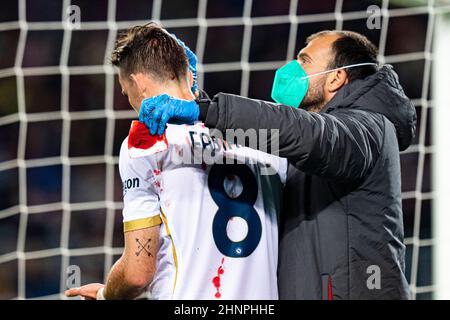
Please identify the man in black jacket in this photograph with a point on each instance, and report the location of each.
(341, 232)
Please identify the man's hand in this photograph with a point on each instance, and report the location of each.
(192, 58)
(89, 291)
(157, 111)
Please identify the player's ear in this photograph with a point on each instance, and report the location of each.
(136, 81)
(336, 80)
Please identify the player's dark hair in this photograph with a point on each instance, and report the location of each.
(351, 48)
(151, 49)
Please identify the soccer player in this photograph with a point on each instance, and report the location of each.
(196, 227)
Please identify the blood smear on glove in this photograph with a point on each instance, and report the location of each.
(141, 143)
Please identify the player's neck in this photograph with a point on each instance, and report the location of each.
(177, 90)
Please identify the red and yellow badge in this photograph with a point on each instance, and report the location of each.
(141, 143)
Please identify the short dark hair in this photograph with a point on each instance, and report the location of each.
(150, 48)
(351, 48)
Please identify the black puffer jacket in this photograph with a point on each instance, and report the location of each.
(342, 216)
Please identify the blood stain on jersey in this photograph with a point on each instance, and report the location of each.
(157, 185)
(141, 143)
(157, 172)
(216, 280)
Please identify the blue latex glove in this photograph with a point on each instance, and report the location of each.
(192, 58)
(157, 111)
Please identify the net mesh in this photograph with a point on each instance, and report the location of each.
(62, 118)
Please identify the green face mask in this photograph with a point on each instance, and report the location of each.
(291, 82)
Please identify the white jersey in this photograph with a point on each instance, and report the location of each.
(219, 235)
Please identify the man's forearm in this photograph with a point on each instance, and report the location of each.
(233, 112)
(310, 141)
(117, 284)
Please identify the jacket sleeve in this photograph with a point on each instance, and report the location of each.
(342, 145)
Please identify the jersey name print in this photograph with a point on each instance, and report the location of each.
(219, 235)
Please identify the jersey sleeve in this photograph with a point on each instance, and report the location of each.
(140, 194)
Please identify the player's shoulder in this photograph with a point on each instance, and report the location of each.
(182, 134)
(140, 144)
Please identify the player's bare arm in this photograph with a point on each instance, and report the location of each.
(132, 273)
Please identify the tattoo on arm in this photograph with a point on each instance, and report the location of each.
(143, 247)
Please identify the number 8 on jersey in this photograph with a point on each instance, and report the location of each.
(241, 206)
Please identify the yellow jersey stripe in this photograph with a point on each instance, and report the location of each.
(141, 223)
(174, 251)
